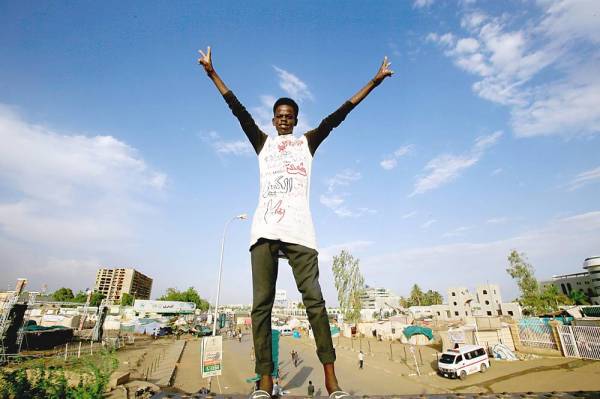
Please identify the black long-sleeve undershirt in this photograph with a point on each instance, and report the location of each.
(258, 138)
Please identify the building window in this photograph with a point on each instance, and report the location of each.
(510, 313)
(489, 313)
(439, 314)
(487, 302)
(455, 313)
(484, 292)
(454, 303)
(454, 294)
(466, 313)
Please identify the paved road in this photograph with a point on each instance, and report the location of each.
(382, 376)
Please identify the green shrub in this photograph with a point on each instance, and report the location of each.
(51, 382)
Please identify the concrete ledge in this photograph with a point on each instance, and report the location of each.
(505, 395)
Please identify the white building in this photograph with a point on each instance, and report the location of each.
(281, 300)
(487, 302)
(587, 281)
(460, 301)
(379, 299)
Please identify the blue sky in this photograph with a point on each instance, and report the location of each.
(117, 151)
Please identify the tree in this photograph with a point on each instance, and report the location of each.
(349, 283)
(419, 298)
(96, 298)
(579, 297)
(405, 302)
(126, 299)
(416, 295)
(81, 297)
(63, 295)
(189, 295)
(534, 299)
(433, 298)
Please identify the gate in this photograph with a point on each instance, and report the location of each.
(535, 333)
(580, 341)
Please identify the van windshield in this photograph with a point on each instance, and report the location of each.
(447, 359)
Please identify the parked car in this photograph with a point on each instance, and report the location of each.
(462, 361)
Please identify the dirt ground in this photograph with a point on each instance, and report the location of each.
(380, 376)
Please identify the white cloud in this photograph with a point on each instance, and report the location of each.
(458, 232)
(468, 45)
(409, 215)
(69, 196)
(428, 223)
(446, 168)
(344, 178)
(473, 20)
(388, 164)
(563, 40)
(336, 201)
(583, 178)
(391, 161)
(558, 247)
(292, 85)
(327, 253)
(496, 171)
(422, 3)
(497, 220)
(225, 147)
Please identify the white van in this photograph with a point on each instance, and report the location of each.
(286, 330)
(459, 362)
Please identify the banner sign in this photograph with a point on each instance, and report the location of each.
(212, 356)
(151, 306)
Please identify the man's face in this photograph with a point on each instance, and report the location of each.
(284, 119)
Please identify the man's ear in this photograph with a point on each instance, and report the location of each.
(273, 122)
(295, 121)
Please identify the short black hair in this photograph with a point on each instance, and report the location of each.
(286, 101)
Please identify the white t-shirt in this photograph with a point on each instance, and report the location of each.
(283, 211)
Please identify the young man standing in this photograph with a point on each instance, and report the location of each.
(282, 224)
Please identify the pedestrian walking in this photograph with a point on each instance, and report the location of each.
(361, 359)
(311, 389)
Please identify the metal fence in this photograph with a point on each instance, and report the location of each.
(580, 341)
(536, 334)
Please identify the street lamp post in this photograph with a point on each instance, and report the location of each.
(243, 216)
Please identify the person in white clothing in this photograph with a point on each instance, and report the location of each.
(282, 224)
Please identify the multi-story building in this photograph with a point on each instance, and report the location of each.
(588, 281)
(379, 299)
(460, 301)
(113, 283)
(487, 302)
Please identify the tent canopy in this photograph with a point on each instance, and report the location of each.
(414, 330)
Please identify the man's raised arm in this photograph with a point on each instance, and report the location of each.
(316, 136)
(206, 61)
(383, 72)
(255, 135)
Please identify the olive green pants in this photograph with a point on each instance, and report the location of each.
(304, 263)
